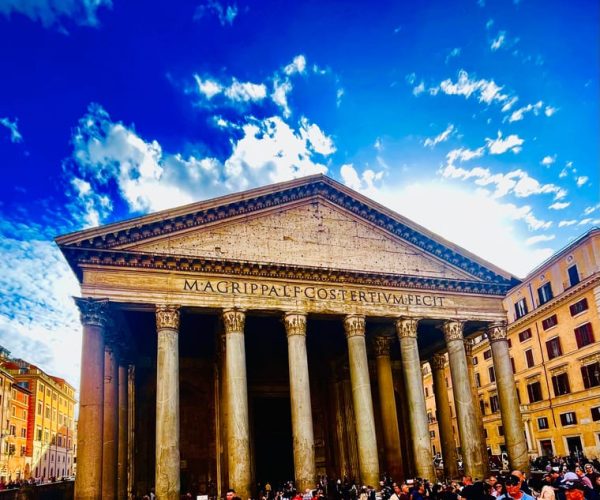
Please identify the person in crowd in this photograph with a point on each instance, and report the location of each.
(592, 475)
(513, 489)
(583, 478)
(572, 486)
(547, 493)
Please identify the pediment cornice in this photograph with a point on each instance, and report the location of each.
(118, 236)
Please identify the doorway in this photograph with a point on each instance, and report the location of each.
(574, 446)
(547, 448)
(273, 444)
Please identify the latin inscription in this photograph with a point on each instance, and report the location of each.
(228, 287)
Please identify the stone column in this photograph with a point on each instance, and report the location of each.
(238, 433)
(302, 423)
(478, 415)
(512, 421)
(419, 426)
(123, 432)
(167, 403)
(91, 399)
(131, 430)
(111, 422)
(444, 418)
(387, 401)
(368, 460)
(470, 434)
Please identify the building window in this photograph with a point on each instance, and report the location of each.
(542, 423)
(478, 380)
(494, 404)
(596, 414)
(568, 418)
(534, 392)
(525, 335)
(487, 354)
(23, 432)
(549, 322)
(512, 364)
(578, 307)
(529, 358)
(492, 374)
(591, 375)
(520, 308)
(573, 275)
(500, 430)
(509, 341)
(39, 408)
(584, 335)
(475, 360)
(38, 434)
(545, 293)
(426, 392)
(431, 434)
(553, 348)
(560, 383)
(482, 406)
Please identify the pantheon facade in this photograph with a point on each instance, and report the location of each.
(275, 334)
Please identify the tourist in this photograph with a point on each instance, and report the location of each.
(514, 490)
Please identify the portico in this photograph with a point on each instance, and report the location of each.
(305, 292)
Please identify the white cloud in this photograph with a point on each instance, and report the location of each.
(486, 91)
(509, 104)
(587, 220)
(581, 180)
(455, 52)
(51, 13)
(15, 135)
(549, 111)
(464, 154)
(209, 88)
(225, 13)
(298, 65)
(591, 209)
(499, 146)
(566, 223)
(419, 89)
(442, 137)
(559, 205)
(364, 182)
(338, 96)
(150, 179)
(235, 92)
(279, 95)
(498, 41)
(548, 160)
(539, 238)
(518, 114)
(378, 145)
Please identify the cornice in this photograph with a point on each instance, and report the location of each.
(254, 201)
(556, 301)
(84, 257)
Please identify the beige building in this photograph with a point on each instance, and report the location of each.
(554, 338)
(277, 334)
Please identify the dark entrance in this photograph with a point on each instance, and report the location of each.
(574, 445)
(273, 449)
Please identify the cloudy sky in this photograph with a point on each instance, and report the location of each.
(477, 119)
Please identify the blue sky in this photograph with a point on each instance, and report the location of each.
(476, 119)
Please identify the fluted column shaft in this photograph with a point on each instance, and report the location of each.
(387, 402)
(368, 459)
(238, 433)
(123, 433)
(167, 403)
(91, 399)
(470, 434)
(111, 424)
(130, 429)
(510, 412)
(444, 417)
(302, 423)
(413, 378)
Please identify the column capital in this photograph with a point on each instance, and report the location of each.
(295, 323)
(453, 330)
(234, 320)
(437, 361)
(354, 325)
(94, 312)
(382, 345)
(167, 317)
(497, 331)
(468, 347)
(406, 326)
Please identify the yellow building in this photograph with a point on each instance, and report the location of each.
(6, 382)
(18, 463)
(554, 338)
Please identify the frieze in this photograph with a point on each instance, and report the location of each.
(453, 330)
(167, 316)
(407, 327)
(234, 320)
(354, 325)
(94, 312)
(295, 324)
(496, 332)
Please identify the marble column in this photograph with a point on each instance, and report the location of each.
(123, 432)
(470, 434)
(91, 399)
(130, 430)
(368, 460)
(167, 403)
(478, 415)
(387, 401)
(406, 329)
(238, 431)
(444, 417)
(302, 423)
(510, 412)
(111, 423)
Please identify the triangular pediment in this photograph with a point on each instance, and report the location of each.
(312, 222)
(314, 233)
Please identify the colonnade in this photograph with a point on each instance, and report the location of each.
(103, 403)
